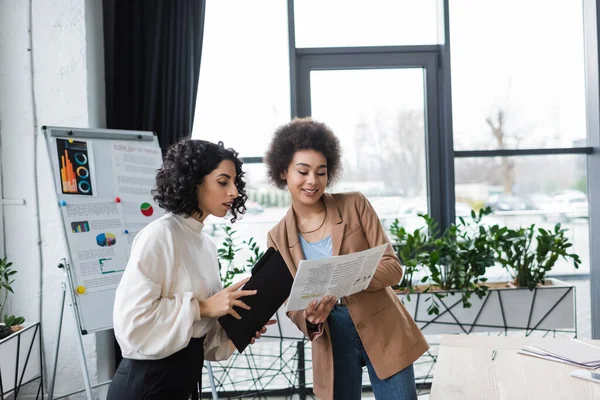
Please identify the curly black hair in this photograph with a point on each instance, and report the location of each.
(302, 134)
(184, 167)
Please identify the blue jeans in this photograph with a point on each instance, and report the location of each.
(349, 357)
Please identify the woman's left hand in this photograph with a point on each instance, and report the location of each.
(263, 330)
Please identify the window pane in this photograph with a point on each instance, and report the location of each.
(379, 117)
(540, 190)
(517, 74)
(343, 23)
(243, 93)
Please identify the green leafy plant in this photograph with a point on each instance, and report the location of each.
(528, 254)
(227, 252)
(452, 261)
(413, 250)
(13, 320)
(456, 260)
(6, 280)
(255, 252)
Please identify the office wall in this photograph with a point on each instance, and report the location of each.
(61, 84)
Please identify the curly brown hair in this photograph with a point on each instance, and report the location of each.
(184, 167)
(302, 134)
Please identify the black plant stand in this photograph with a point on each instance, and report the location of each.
(20, 364)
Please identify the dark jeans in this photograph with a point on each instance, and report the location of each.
(174, 377)
(349, 357)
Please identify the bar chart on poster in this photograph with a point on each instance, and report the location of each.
(103, 181)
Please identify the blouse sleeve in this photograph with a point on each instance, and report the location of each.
(217, 346)
(146, 322)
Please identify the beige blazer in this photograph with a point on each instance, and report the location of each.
(389, 335)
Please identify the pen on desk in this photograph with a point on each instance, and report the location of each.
(493, 354)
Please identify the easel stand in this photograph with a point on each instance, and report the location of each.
(84, 368)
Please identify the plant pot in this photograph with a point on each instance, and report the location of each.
(5, 331)
(548, 307)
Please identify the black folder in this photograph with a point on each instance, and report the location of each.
(273, 282)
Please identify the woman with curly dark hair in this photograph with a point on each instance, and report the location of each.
(170, 294)
(369, 328)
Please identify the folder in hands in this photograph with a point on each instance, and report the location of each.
(272, 280)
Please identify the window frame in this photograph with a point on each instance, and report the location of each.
(440, 143)
(385, 57)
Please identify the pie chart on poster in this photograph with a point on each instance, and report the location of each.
(106, 239)
(146, 209)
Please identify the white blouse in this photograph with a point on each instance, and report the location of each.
(172, 265)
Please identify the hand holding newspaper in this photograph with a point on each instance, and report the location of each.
(337, 276)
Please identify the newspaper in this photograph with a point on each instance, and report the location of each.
(337, 276)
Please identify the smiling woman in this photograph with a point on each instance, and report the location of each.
(305, 158)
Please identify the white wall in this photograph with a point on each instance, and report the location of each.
(68, 84)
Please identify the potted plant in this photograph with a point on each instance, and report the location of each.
(19, 346)
(12, 323)
(528, 256)
(454, 263)
(451, 263)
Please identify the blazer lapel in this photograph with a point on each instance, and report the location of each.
(337, 224)
(337, 230)
(292, 235)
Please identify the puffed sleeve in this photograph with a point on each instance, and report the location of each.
(147, 324)
(217, 346)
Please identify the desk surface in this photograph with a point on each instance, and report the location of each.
(465, 371)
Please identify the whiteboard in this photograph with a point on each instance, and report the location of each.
(102, 180)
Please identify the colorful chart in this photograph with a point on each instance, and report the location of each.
(80, 226)
(67, 174)
(147, 209)
(106, 239)
(74, 166)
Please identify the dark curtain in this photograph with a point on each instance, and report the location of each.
(152, 54)
(152, 65)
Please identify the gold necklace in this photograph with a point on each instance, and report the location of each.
(324, 230)
(320, 226)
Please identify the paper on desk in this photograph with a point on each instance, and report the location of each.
(574, 352)
(555, 359)
(337, 276)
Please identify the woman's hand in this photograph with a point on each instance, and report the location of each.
(263, 330)
(223, 302)
(317, 313)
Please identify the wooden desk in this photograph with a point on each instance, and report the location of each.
(465, 371)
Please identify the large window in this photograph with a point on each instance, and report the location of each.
(342, 23)
(546, 190)
(379, 116)
(517, 74)
(520, 90)
(244, 89)
(498, 118)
